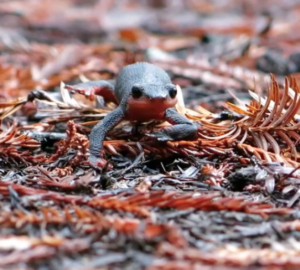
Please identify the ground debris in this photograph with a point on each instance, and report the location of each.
(229, 199)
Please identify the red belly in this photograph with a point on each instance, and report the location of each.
(144, 109)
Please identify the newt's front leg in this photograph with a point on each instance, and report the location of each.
(92, 88)
(182, 129)
(98, 133)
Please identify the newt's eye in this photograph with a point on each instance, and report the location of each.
(173, 92)
(136, 92)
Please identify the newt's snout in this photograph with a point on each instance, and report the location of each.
(145, 109)
(150, 102)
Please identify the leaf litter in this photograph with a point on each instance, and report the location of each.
(228, 199)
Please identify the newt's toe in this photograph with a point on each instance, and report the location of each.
(96, 162)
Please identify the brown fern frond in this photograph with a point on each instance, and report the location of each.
(11, 137)
(263, 155)
(272, 122)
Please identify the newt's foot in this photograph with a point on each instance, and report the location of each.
(161, 136)
(176, 133)
(96, 162)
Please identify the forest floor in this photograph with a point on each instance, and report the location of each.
(227, 200)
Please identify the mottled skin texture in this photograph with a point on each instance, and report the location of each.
(143, 92)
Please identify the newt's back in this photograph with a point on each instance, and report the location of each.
(142, 73)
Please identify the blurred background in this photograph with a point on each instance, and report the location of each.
(207, 46)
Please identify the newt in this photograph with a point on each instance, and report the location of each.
(143, 92)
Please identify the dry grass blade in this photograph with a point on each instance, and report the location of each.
(10, 107)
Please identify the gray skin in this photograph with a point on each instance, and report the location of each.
(139, 81)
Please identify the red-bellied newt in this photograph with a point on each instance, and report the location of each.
(143, 92)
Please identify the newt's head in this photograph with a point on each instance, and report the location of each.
(151, 100)
(154, 91)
